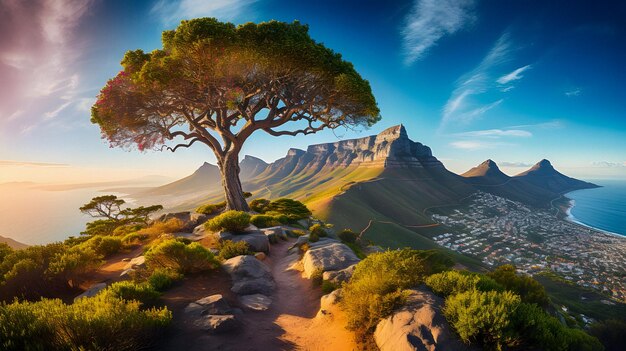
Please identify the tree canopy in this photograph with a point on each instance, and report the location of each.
(217, 83)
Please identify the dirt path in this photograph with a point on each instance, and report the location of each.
(289, 324)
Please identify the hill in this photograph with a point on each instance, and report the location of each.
(12, 243)
(545, 176)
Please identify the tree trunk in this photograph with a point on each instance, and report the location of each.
(233, 193)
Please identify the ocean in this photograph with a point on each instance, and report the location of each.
(601, 208)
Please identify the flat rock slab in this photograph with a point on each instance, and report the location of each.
(213, 304)
(217, 324)
(137, 262)
(249, 275)
(92, 291)
(257, 302)
(328, 256)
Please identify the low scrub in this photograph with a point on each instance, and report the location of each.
(318, 230)
(128, 290)
(102, 322)
(230, 221)
(259, 205)
(229, 249)
(181, 257)
(162, 279)
(210, 209)
(265, 221)
(104, 245)
(348, 236)
(293, 209)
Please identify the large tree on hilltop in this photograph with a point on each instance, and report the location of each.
(217, 83)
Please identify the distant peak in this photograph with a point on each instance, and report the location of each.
(489, 163)
(396, 131)
(249, 158)
(543, 164)
(295, 152)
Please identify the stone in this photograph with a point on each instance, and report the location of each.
(257, 241)
(274, 233)
(214, 304)
(126, 259)
(338, 277)
(256, 302)
(126, 274)
(92, 291)
(199, 230)
(249, 275)
(327, 255)
(198, 218)
(260, 256)
(329, 300)
(137, 262)
(419, 325)
(217, 324)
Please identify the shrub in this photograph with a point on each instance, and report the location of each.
(127, 229)
(296, 233)
(73, 263)
(159, 228)
(328, 287)
(104, 245)
(163, 278)
(259, 205)
(314, 237)
(475, 314)
(348, 236)
(295, 210)
(210, 209)
(612, 333)
(229, 249)
(317, 277)
(318, 230)
(377, 285)
(231, 221)
(134, 238)
(102, 322)
(264, 221)
(247, 194)
(530, 290)
(128, 290)
(181, 257)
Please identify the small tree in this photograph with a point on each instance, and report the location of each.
(109, 208)
(217, 83)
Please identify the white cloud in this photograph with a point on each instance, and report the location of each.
(497, 133)
(171, 12)
(554, 124)
(472, 145)
(513, 76)
(431, 20)
(573, 92)
(461, 107)
(515, 164)
(56, 111)
(607, 164)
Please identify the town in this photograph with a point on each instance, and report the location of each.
(500, 231)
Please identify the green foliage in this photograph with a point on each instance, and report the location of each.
(328, 287)
(127, 229)
(74, 262)
(295, 233)
(314, 237)
(529, 289)
(264, 221)
(317, 277)
(455, 282)
(181, 257)
(210, 209)
(102, 322)
(5, 250)
(377, 285)
(114, 216)
(293, 209)
(348, 236)
(229, 249)
(162, 279)
(476, 314)
(247, 194)
(104, 245)
(128, 290)
(259, 205)
(134, 238)
(231, 221)
(612, 334)
(318, 230)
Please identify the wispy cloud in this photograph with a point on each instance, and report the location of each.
(431, 20)
(515, 164)
(462, 106)
(472, 145)
(497, 133)
(513, 76)
(10, 163)
(171, 12)
(553, 124)
(607, 164)
(573, 92)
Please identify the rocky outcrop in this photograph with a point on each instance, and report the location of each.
(327, 255)
(213, 304)
(217, 324)
(137, 262)
(249, 275)
(419, 325)
(257, 240)
(190, 220)
(274, 234)
(212, 314)
(340, 276)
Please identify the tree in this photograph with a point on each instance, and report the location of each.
(217, 83)
(109, 207)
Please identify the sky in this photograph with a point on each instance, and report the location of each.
(514, 81)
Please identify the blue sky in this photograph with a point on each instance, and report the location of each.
(514, 81)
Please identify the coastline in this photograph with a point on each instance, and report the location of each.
(570, 218)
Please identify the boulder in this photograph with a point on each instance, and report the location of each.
(126, 274)
(198, 218)
(257, 302)
(327, 255)
(212, 304)
(260, 256)
(257, 240)
(338, 277)
(137, 262)
(249, 275)
(92, 291)
(329, 300)
(274, 234)
(217, 324)
(419, 325)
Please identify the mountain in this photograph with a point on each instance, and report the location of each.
(250, 167)
(16, 245)
(206, 177)
(538, 186)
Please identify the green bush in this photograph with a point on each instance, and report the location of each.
(210, 209)
(181, 257)
(229, 249)
(530, 290)
(612, 333)
(452, 282)
(231, 221)
(377, 285)
(259, 205)
(348, 236)
(328, 287)
(105, 245)
(264, 221)
(134, 238)
(295, 233)
(102, 322)
(318, 230)
(162, 279)
(314, 237)
(127, 229)
(476, 314)
(295, 210)
(247, 194)
(128, 290)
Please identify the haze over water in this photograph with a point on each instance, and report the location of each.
(602, 208)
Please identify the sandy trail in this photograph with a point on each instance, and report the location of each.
(289, 324)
